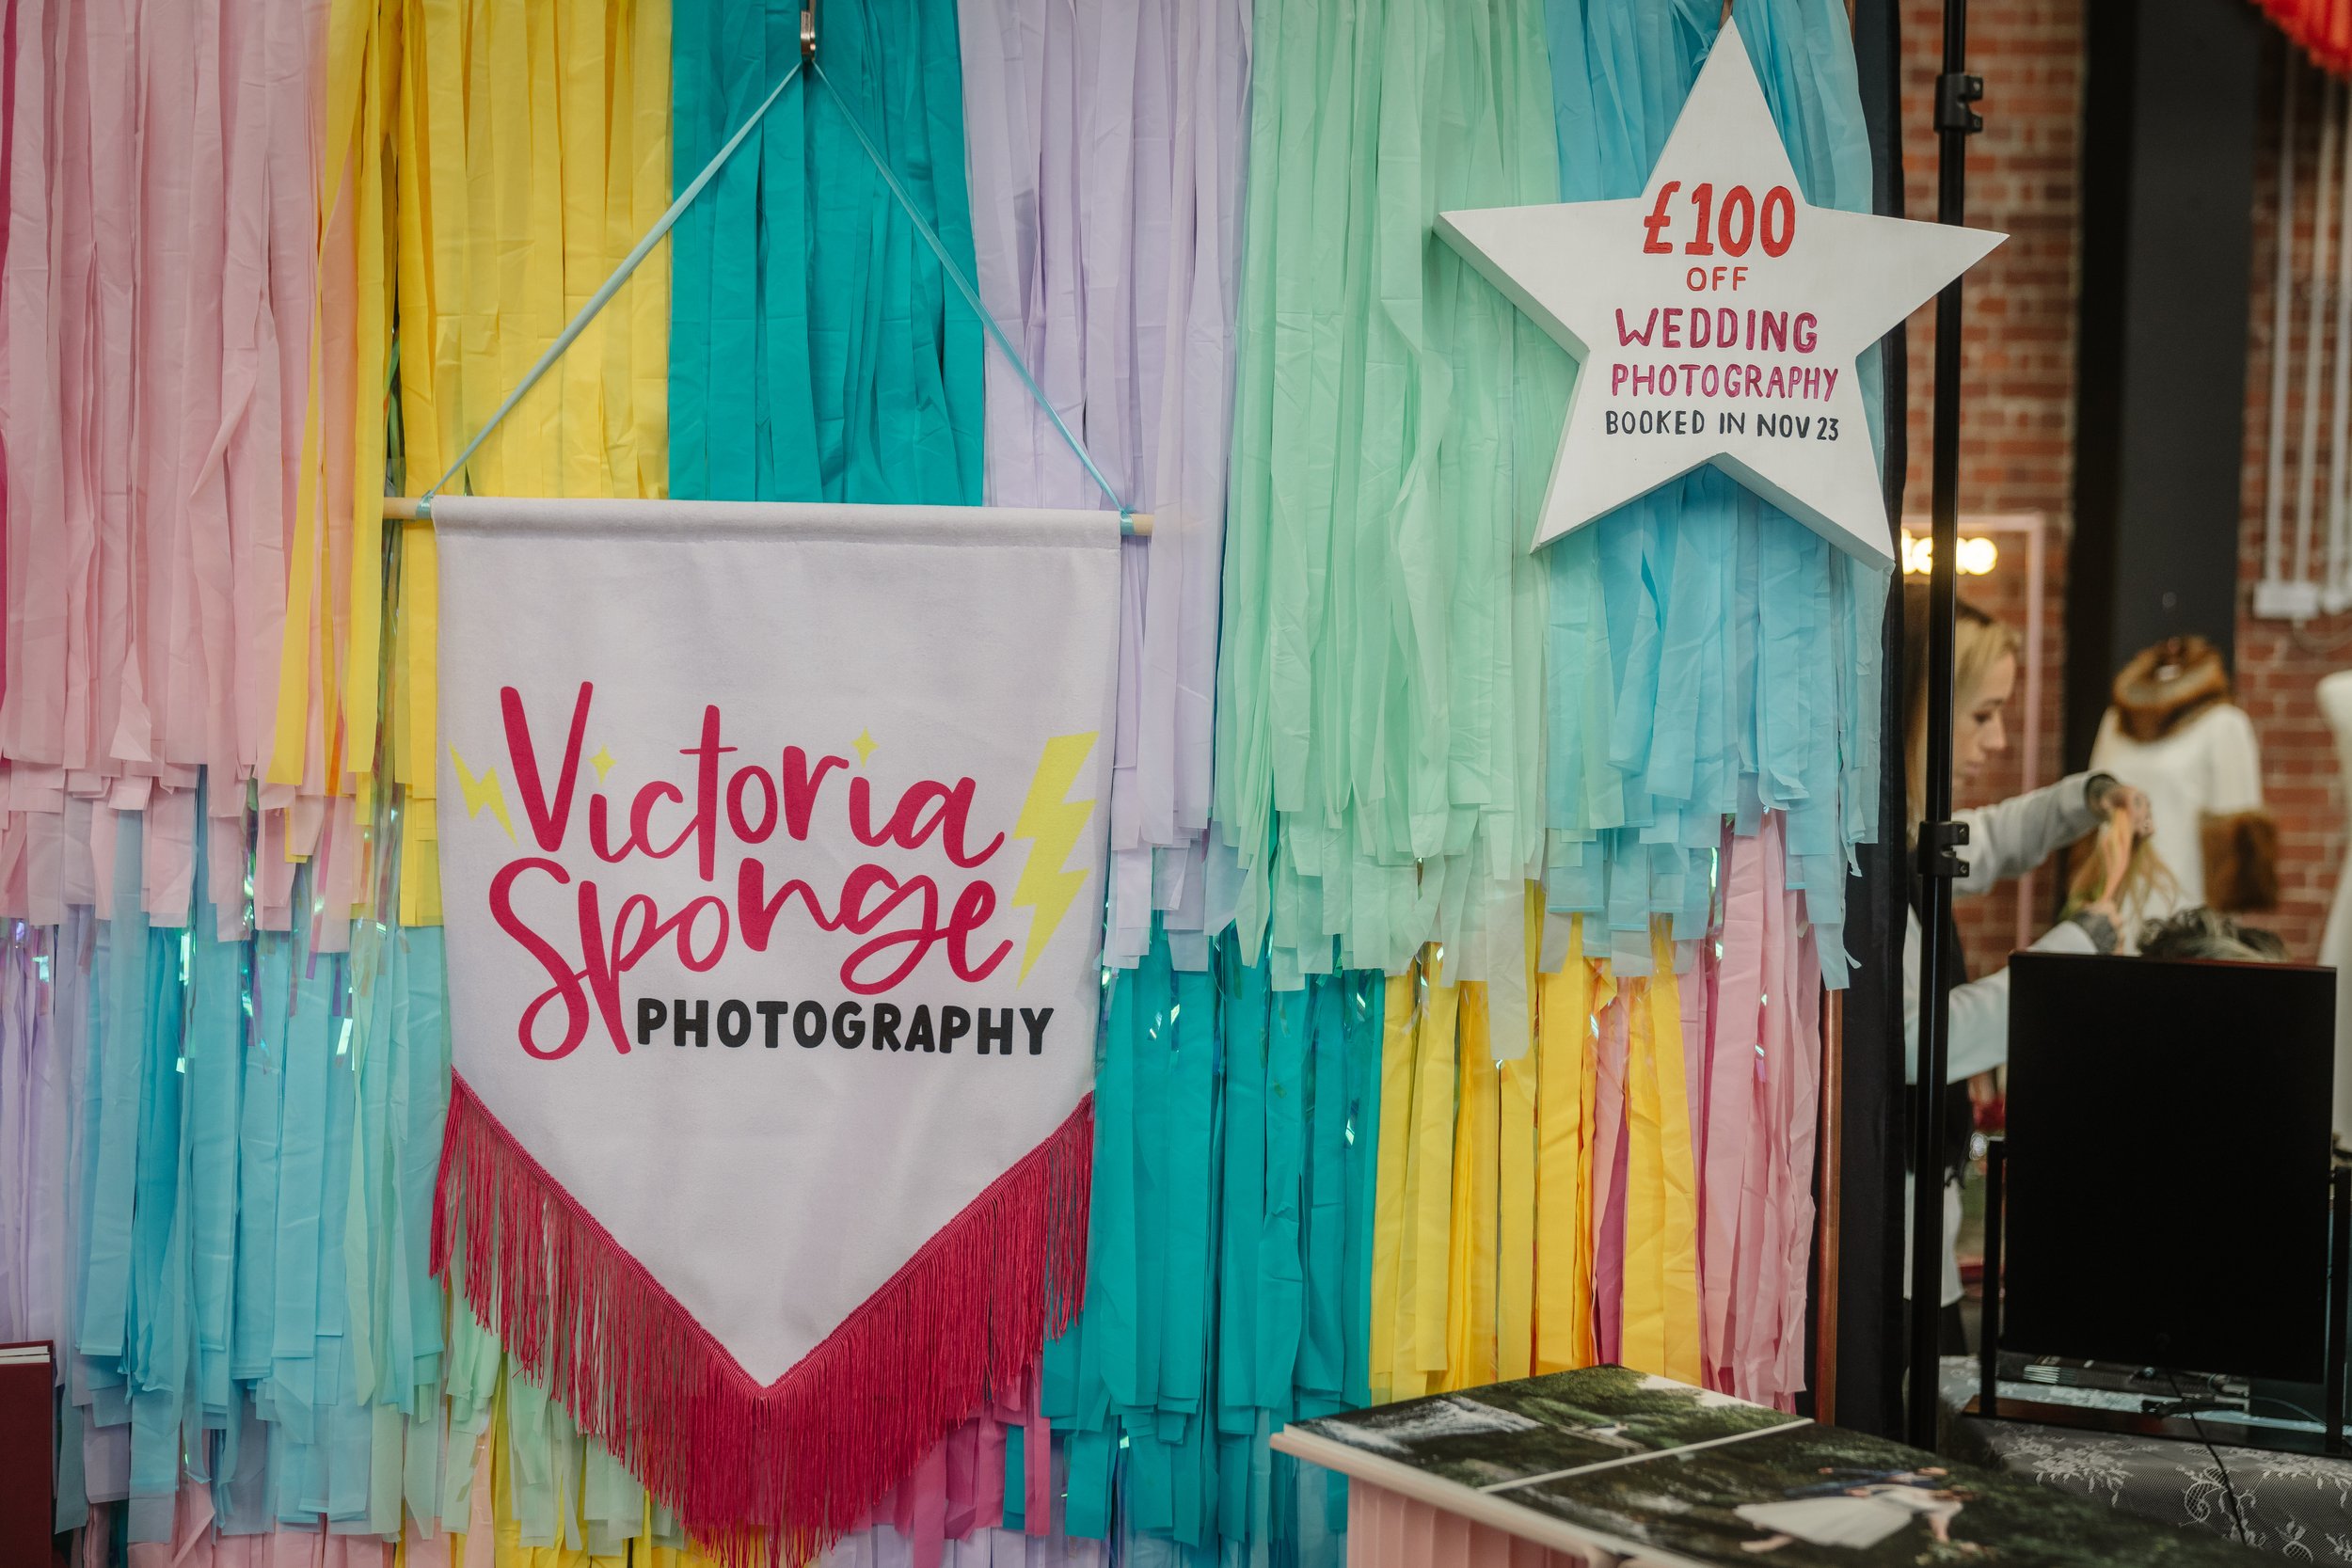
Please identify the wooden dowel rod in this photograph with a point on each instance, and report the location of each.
(403, 509)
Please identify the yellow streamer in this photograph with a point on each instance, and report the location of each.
(486, 168)
(1484, 1225)
(1518, 1082)
(1661, 1319)
(1388, 1206)
(305, 662)
(1429, 1200)
(1471, 1287)
(1678, 1228)
(540, 146)
(1563, 1184)
(373, 262)
(543, 141)
(1644, 1346)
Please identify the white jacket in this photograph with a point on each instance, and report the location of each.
(2211, 766)
(2005, 840)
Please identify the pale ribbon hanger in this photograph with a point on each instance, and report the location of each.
(1131, 523)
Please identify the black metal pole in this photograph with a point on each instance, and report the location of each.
(1989, 1329)
(2339, 1300)
(1955, 121)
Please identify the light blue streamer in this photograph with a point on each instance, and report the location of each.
(1710, 657)
(253, 1310)
(215, 1071)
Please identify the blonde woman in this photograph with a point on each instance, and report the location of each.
(2005, 840)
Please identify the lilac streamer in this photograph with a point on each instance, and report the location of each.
(1105, 148)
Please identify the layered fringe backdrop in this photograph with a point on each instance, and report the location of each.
(1470, 909)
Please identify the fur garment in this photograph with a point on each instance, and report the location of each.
(2241, 861)
(2166, 685)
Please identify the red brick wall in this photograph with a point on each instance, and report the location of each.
(2018, 390)
(2278, 663)
(2017, 366)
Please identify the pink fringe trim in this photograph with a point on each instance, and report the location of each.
(785, 1470)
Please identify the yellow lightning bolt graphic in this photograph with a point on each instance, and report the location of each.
(482, 790)
(1051, 824)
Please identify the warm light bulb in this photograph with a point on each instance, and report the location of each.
(1976, 555)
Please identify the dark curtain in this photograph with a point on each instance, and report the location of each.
(1870, 1302)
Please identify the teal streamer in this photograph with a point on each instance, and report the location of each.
(1710, 656)
(959, 273)
(1228, 1279)
(1016, 1478)
(817, 352)
(826, 343)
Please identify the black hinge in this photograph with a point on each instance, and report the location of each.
(1937, 842)
(1954, 92)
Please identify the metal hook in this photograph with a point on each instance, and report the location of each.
(809, 31)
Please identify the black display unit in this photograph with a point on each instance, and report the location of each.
(2165, 1203)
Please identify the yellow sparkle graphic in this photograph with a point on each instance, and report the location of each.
(865, 746)
(602, 762)
(1053, 824)
(482, 790)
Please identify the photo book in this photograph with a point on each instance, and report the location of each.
(1612, 1464)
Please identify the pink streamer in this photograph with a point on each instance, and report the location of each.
(1756, 1158)
(1611, 1139)
(1388, 1529)
(1736, 1041)
(1803, 1081)
(155, 294)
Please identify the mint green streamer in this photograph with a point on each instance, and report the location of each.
(1379, 693)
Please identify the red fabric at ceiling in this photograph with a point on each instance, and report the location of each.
(2322, 27)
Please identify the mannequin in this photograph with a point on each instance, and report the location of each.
(2335, 947)
(2175, 734)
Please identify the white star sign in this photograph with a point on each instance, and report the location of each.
(1716, 318)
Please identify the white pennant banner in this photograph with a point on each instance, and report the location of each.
(773, 842)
